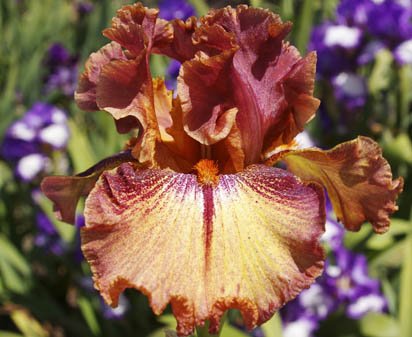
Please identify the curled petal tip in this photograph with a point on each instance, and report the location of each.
(358, 180)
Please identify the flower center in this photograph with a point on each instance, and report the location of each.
(207, 172)
(344, 283)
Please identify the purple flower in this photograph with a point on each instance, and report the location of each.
(349, 280)
(64, 79)
(364, 304)
(57, 55)
(350, 90)
(47, 237)
(302, 327)
(369, 52)
(77, 251)
(333, 235)
(403, 53)
(353, 12)
(335, 46)
(84, 8)
(115, 313)
(172, 72)
(316, 300)
(342, 36)
(62, 70)
(175, 9)
(29, 141)
(30, 166)
(390, 22)
(349, 276)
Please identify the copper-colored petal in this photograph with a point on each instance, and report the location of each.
(264, 78)
(85, 94)
(133, 27)
(183, 146)
(208, 112)
(358, 180)
(65, 191)
(180, 45)
(163, 106)
(300, 105)
(250, 242)
(213, 39)
(229, 152)
(122, 89)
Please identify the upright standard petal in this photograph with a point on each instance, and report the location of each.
(358, 180)
(207, 117)
(252, 69)
(85, 94)
(248, 241)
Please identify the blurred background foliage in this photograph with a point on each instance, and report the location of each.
(365, 83)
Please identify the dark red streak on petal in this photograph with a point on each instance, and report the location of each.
(208, 214)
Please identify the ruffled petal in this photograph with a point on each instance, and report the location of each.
(358, 180)
(245, 64)
(250, 242)
(65, 191)
(180, 45)
(298, 88)
(85, 94)
(134, 28)
(208, 116)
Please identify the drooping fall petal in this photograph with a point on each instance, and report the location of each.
(358, 180)
(248, 242)
(65, 191)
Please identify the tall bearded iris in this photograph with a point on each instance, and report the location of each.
(193, 213)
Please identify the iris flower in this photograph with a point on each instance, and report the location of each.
(193, 213)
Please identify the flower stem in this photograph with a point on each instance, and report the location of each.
(203, 331)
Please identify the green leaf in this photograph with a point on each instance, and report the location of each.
(400, 226)
(379, 325)
(305, 22)
(353, 239)
(79, 148)
(405, 79)
(398, 148)
(170, 333)
(405, 300)
(89, 316)
(380, 242)
(9, 334)
(390, 294)
(10, 254)
(66, 231)
(15, 273)
(27, 324)
(390, 258)
(230, 331)
(256, 3)
(273, 327)
(11, 279)
(200, 6)
(168, 320)
(380, 77)
(383, 241)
